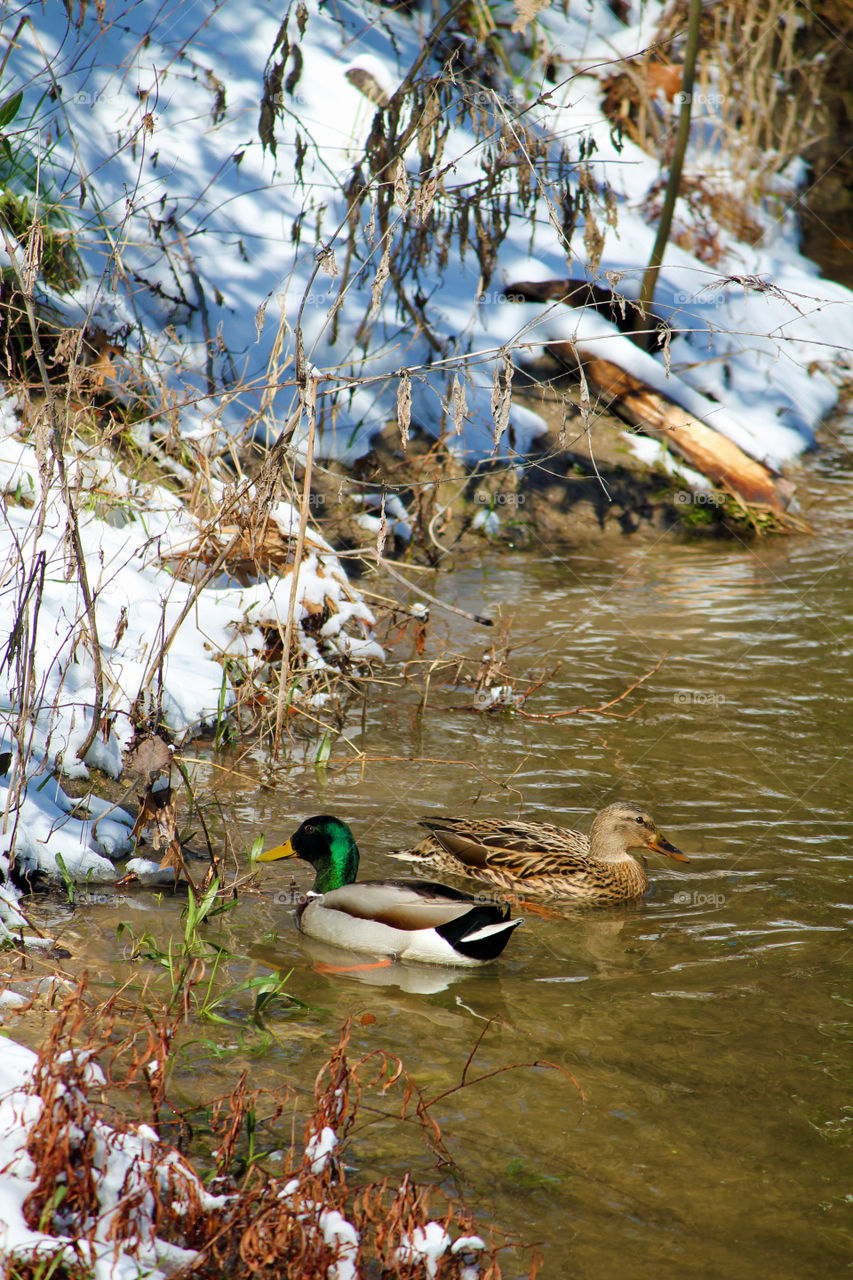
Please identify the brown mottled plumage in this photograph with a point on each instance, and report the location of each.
(540, 859)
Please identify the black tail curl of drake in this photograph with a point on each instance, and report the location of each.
(488, 945)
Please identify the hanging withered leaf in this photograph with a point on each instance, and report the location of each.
(325, 259)
(148, 757)
(401, 185)
(611, 206)
(296, 70)
(157, 811)
(383, 529)
(404, 409)
(665, 332)
(502, 397)
(458, 405)
(173, 859)
(301, 147)
(593, 240)
(383, 271)
(121, 626)
(217, 88)
(586, 411)
(424, 199)
(273, 75)
(614, 279)
(261, 315)
(564, 419)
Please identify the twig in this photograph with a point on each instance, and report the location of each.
(26, 287)
(464, 1082)
(537, 684)
(498, 1071)
(650, 278)
(450, 608)
(591, 711)
(309, 399)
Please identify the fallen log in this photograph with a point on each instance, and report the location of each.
(717, 457)
(713, 454)
(582, 294)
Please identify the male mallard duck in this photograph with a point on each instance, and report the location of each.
(411, 919)
(538, 858)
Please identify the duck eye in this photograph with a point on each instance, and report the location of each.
(641, 821)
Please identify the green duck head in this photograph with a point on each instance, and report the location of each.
(328, 844)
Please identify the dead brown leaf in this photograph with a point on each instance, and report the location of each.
(156, 810)
(148, 757)
(173, 860)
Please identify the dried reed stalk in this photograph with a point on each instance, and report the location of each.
(309, 404)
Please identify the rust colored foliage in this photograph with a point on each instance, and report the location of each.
(103, 1183)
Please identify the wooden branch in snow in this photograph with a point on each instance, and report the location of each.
(717, 457)
(582, 294)
(723, 462)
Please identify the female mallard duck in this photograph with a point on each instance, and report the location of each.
(410, 919)
(541, 859)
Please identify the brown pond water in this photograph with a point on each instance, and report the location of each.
(709, 1028)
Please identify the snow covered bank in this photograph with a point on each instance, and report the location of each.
(253, 205)
(130, 531)
(230, 234)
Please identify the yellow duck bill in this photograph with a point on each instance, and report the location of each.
(279, 851)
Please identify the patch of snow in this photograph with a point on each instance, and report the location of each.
(488, 521)
(125, 1164)
(655, 453)
(320, 1148)
(340, 1235)
(468, 1247)
(149, 872)
(397, 520)
(41, 829)
(427, 1245)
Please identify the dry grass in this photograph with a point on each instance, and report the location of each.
(761, 69)
(102, 1186)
